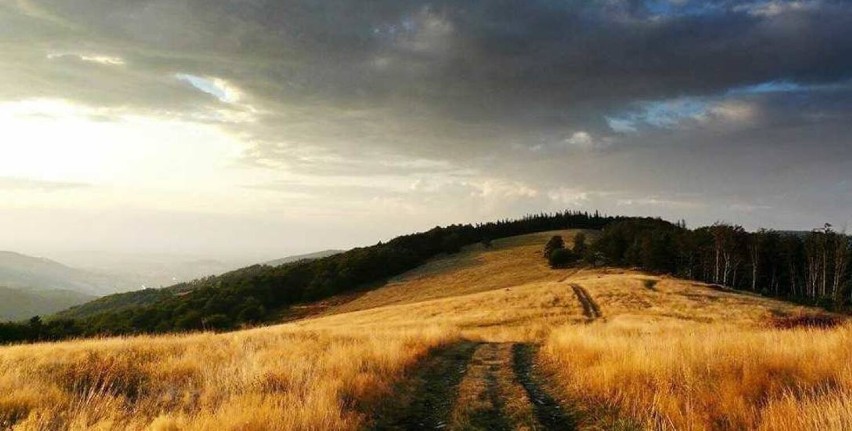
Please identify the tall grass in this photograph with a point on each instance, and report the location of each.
(709, 377)
(265, 379)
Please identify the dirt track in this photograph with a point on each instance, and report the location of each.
(476, 386)
(590, 308)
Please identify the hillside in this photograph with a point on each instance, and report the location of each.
(20, 304)
(489, 338)
(119, 302)
(302, 257)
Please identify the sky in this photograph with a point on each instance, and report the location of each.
(268, 127)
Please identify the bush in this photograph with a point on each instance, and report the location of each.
(561, 258)
(555, 243)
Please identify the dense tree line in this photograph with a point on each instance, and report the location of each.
(808, 266)
(252, 295)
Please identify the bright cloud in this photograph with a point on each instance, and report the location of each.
(91, 58)
(216, 87)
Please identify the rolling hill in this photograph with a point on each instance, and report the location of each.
(489, 338)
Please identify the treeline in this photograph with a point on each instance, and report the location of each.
(813, 267)
(252, 295)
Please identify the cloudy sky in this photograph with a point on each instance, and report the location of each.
(228, 127)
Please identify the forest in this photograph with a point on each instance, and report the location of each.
(252, 295)
(810, 267)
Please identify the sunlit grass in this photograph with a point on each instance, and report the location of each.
(259, 380)
(709, 376)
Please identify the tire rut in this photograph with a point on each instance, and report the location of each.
(481, 402)
(425, 401)
(549, 414)
(473, 386)
(590, 308)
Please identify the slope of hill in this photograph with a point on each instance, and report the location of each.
(123, 301)
(486, 339)
(20, 304)
(118, 302)
(301, 257)
(26, 272)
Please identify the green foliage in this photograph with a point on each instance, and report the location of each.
(555, 243)
(562, 257)
(121, 301)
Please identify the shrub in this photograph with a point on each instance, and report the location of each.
(561, 258)
(555, 243)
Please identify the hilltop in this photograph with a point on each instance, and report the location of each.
(487, 338)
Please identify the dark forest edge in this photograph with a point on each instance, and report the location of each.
(812, 268)
(250, 296)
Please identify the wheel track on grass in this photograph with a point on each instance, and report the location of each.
(590, 308)
(476, 387)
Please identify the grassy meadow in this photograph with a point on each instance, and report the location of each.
(665, 354)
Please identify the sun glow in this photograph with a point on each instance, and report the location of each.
(54, 140)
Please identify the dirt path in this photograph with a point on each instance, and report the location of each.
(549, 414)
(425, 401)
(590, 308)
(475, 386)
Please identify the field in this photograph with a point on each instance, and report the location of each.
(486, 339)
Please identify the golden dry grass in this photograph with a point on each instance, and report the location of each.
(687, 357)
(678, 356)
(510, 262)
(269, 379)
(707, 377)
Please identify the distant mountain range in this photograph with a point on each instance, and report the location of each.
(136, 271)
(31, 286)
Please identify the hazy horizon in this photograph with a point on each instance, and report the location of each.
(262, 129)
